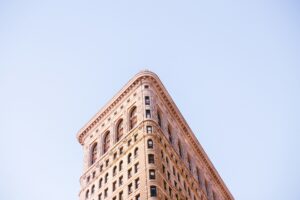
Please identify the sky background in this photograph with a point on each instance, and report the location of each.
(232, 68)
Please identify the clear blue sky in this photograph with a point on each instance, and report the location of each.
(232, 67)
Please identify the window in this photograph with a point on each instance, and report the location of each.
(179, 149)
(120, 180)
(149, 129)
(121, 150)
(106, 162)
(148, 113)
(137, 197)
(137, 183)
(132, 118)
(87, 194)
(129, 158)
(114, 186)
(147, 100)
(136, 152)
(151, 174)
(198, 176)
(94, 174)
(120, 165)
(153, 192)
(100, 196)
(130, 188)
(114, 170)
(129, 173)
(121, 195)
(159, 119)
(105, 192)
(94, 153)
(189, 163)
(120, 129)
(170, 134)
(129, 142)
(101, 168)
(135, 137)
(150, 144)
(136, 167)
(93, 189)
(150, 158)
(100, 183)
(106, 142)
(106, 178)
(115, 155)
(88, 179)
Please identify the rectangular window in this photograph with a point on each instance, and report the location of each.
(137, 183)
(105, 192)
(120, 180)
(153, 192)
(121, 195)
(148, 113)
(130, 188)
(137, 197)
(151, 158)
(149, 129)
(129, 173)
(147, 100)
(114, 186)
(151, 174)
(136, 167)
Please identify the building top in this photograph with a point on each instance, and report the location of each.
(161, 90)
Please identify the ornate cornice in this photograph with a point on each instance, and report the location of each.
(163, 93)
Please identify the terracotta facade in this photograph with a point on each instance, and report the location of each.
(140, 147)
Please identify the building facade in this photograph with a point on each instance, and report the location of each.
(139, 147)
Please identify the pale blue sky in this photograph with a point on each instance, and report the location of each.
(232, 67)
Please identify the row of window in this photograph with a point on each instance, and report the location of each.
(119, 134)
(120, 151)
(120, 180)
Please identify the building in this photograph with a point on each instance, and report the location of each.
(138, 147)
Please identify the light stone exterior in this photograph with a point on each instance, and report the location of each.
(177, 180)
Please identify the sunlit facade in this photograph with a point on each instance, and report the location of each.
(140, 147)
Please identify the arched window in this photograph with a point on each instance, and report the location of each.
(136, 152)
(132, 118)
(129, 158)
(94, 152)
(106, 178)
(119, 129)
(120, 165)
(179, 149)
(106, 142)
(159, 119)
(87, 194)
(170, 135)
(150, 144)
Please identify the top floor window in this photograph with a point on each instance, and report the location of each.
(132, 117)
(106, 142)
(170, 135)
(189, 163)
(179, 149)
(94, 152)
(120, 129)
(159, 119)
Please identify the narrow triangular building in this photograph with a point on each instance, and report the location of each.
(139, 147)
